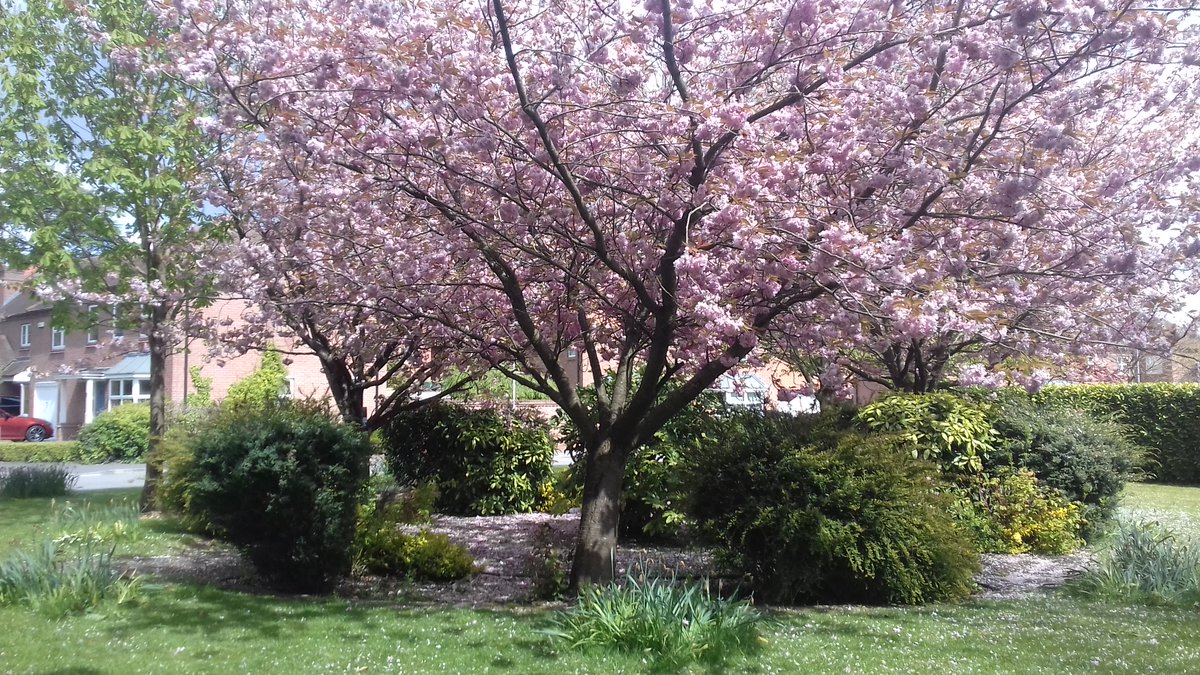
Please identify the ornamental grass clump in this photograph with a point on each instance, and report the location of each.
(672, 623)
(74, 571)
(1146, 563)
(24, 482)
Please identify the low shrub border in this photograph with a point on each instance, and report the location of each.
(52, 451)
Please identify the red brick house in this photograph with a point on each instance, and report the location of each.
(68, 376)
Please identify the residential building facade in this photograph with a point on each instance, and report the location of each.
(68, 376)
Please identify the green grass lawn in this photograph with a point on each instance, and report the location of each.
(1173, 506)
(197, 630)
(26, 521)
(185, 629)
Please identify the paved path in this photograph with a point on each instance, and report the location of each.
(99, 476)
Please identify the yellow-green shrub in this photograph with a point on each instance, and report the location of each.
(942, 428)
(1011, 512)
(381, 548)
(118, 435)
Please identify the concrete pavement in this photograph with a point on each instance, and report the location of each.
(99, 476)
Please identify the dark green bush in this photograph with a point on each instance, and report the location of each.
(1086, 459)
(282, 484)
(1163, 418)
(118, 435)
(484, 462)
(829, 518)
(49, 451)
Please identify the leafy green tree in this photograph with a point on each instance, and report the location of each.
(100, 149)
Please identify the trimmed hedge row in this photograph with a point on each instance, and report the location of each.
(1164, 418)
(53, 451)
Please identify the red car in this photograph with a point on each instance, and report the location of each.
(20, 428)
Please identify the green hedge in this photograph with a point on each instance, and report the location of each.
(54, 451)
(1164, 418)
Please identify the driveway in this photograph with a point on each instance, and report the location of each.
(99, 476)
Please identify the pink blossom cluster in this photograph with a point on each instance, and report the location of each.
(673, 183)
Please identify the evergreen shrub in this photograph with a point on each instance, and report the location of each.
(821, 517)
(1088, 460)
(483, 461)
(282, 485)
(942, 428)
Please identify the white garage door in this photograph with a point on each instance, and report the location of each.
(45, 402)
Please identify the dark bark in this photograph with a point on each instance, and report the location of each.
(157, 343)
(347, 397)
(596, 549)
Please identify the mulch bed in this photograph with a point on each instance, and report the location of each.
(502, 546)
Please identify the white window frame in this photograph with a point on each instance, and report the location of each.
(137, 393)
(25, 341)
(93, 331)
(58, 339)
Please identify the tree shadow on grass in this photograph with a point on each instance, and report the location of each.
(210, 612)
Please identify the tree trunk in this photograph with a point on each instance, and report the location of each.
(158, 407)
(595, 552)
(348, 397)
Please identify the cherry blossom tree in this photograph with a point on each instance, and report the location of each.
(313, 268)
(660, 188)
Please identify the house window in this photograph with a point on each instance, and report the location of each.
(121, 392)
(118, 331)
(25, 335)
(93, 333)
(58, 339)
